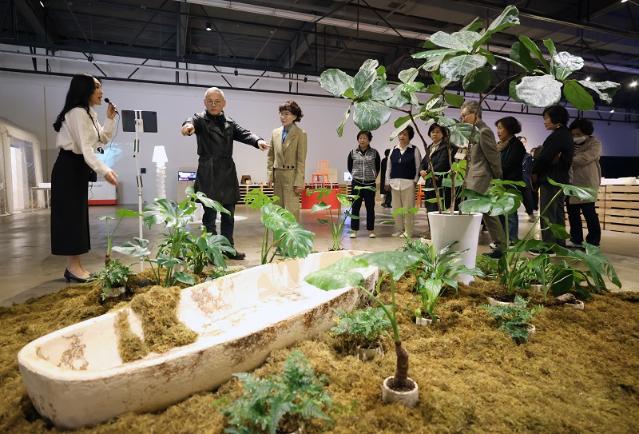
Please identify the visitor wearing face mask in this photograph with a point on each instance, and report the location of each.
(584, 172)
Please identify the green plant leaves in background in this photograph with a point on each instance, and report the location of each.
(578, 96)
(477, 81)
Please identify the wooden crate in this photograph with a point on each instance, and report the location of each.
(619, 209)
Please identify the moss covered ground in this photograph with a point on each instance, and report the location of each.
(579, 372)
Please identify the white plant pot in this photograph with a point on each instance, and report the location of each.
(536, 286)
(367, 354)
(462, 228)
(408, 398)
(495, 302)
(423, 321)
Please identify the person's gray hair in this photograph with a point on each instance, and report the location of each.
(214, 89)
(472, 107)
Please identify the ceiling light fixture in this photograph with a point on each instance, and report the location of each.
(612, 110)
(494, 67)
(634, 83)
(588, 78)
(41, 3)
(208, 27)
(624, 1)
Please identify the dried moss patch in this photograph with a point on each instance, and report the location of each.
(130, 346)
(157, 309)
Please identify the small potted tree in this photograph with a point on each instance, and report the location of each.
(399, 387)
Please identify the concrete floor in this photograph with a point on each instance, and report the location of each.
(29, 270)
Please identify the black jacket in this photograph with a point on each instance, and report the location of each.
(216, 174)
(441, 163)
(558, 142)
(512, 158)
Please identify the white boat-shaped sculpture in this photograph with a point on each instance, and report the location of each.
(76, 377)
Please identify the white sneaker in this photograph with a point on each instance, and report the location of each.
(371, 234)
(492, 245)
(353, 234)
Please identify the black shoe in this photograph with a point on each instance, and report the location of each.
(69, 276)
(495, 254)
(238, 256)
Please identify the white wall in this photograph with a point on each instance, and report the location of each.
(33, 101)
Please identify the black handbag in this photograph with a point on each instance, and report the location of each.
(93, 177)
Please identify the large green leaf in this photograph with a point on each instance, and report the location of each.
(341, 274)
(125, 213)
(394, 263)
(138, 248)
(512, 89)
(461, 41)
(533, 49)
(550, 46)
(578, 96)
(457, 67)
(520, 54)
(381, 91)
(453, 99)
(585, 194)
(294, 241)
(335, 81)
(509, 17)
(478, 80)
(365, 76)
(370, 115)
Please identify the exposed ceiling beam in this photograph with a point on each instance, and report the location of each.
(35, 22)
(182, 30)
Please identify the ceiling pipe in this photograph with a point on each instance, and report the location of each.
(372, 28)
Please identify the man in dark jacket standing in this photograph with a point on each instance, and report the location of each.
(553, 162)
(216, 175)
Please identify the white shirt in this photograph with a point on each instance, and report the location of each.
(79, 134)
(401, 183)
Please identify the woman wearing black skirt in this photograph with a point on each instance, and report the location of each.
(79, 133)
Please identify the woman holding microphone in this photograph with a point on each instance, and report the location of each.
(79, 132)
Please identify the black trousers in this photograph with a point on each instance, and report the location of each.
(368, 197)
(70, 205)
(227, 221)
(388, 197)
(592, 222)
(554, 213)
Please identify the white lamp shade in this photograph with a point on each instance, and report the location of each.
(159, 155)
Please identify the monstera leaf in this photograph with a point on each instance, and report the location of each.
(539, 91)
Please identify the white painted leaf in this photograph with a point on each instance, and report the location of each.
(565, 64)
(370, 115)
(539, 91)
(605, 89)
(455, 68)
(335, 81)
(408, 75)
(462, 40)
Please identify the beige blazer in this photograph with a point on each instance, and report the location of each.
(485, 160)
(289, 155)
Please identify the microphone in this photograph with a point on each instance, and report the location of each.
(106, 100)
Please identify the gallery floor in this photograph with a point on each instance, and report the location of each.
(29, 270)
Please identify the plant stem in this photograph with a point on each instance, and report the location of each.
(429, 161)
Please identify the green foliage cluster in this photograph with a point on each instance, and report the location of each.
(180, 254)
(283, 235)
(436, 271)
(514, 319)
(286, 400)
(338, 220)
(361, 328)
(112, 279)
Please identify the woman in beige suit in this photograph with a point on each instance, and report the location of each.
(287, 158)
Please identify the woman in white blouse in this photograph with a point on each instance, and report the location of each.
(79, 133)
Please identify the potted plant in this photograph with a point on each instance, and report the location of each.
(514, 319)
(283, 235)
(361, 331)
(281, 403)
(120, 214)
(399, 387)
(452, 58)
(112, 279)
